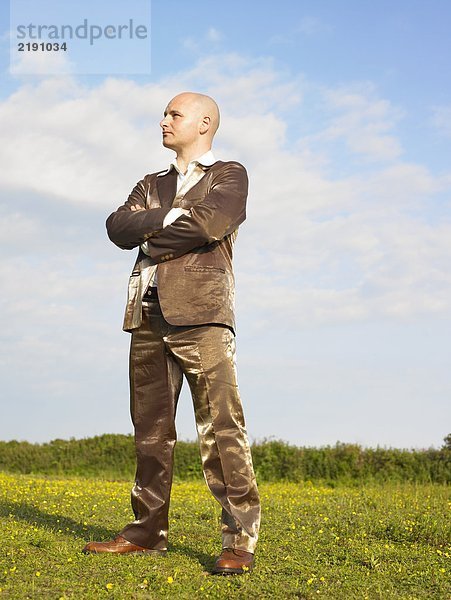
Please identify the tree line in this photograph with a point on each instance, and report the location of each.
(112, 456)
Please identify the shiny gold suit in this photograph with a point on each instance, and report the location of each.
(189, 331)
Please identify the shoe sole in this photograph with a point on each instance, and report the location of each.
(158, 552)
(230, 571)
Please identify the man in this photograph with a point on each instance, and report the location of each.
(180, 312)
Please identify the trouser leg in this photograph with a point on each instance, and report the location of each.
(207, 357)
(155, 384)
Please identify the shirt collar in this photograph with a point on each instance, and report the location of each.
(206, 160)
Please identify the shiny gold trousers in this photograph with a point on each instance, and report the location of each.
(160, 354)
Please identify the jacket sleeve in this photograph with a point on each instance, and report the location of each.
(128, 229)
(221, 211)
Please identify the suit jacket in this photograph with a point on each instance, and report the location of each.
(194, 254)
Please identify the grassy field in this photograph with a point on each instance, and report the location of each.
(385, 541)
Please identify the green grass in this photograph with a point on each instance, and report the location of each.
(376, 541)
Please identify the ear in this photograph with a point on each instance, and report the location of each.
(205, 125)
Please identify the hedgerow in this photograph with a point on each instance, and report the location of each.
(113, 456)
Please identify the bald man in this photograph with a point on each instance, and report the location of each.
(180, 312)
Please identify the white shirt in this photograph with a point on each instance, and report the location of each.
(207, 159)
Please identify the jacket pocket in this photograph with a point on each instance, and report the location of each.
(132, 317)
(203, 269)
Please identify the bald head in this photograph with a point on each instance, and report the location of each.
(204, 105)
(189, 124)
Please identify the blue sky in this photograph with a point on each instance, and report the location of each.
(341, 112)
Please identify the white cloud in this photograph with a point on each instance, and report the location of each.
(312, 26)
(364, 122)
(242, 86)
(76, 143)
(210, 39)
(213, 35)
(308, 26)
(40, 63)
(441, 119)
(15, 225)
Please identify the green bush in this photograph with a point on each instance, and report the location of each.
(112, 456)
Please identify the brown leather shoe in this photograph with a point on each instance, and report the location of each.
(117, 546)
(233, 562)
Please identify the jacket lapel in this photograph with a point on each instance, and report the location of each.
(166, 188)
(167, 185)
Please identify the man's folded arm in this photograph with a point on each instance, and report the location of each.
(218, 215)
(130, 225)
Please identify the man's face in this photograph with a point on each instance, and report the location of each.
(181, 123)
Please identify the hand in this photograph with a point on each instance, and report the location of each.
(136, 207)
(174, 214)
